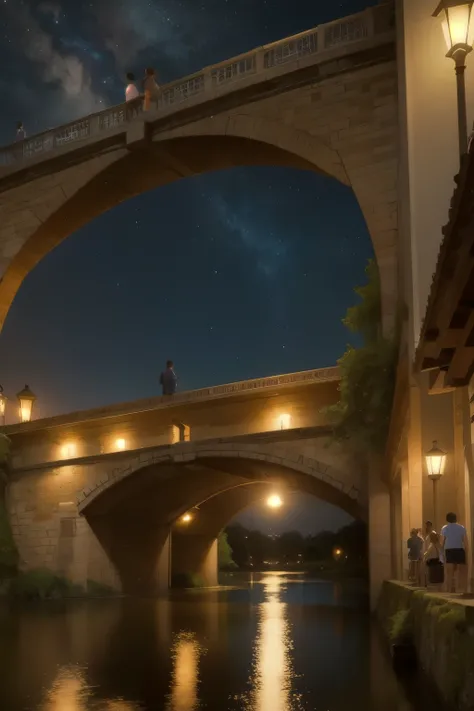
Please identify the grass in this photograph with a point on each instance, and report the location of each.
(43, 584)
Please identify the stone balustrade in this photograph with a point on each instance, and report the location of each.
(317, 42)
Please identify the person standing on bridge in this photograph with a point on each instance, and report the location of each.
(150, 88)
(131, 91)
(20, 131)
(168, 379)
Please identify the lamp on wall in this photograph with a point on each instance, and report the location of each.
(458, 29)
(435, 464)
(3, 405)
(26, 400)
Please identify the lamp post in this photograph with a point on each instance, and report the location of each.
(3, 405)
(26, 400)
(435, 463)
(458, 26)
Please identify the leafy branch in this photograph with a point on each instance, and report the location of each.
(362, 414)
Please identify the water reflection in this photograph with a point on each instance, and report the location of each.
(69, 691)
(184, 685)
(272, 674)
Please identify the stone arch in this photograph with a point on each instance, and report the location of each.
(57, 205)
(327, 481)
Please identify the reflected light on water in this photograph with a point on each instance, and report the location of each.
(69, 691)
(272, 676)
(184, 690)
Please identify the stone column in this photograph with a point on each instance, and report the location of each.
(194, 559)
(380, 558)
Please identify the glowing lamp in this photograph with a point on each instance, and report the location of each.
(337, 553)
(26, 401)
(186, 518)
(458, 26)
(120, 444)
(274, 501)
(284, 421)
(435, 461)
(68, 450)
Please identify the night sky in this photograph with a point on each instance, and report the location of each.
(234, 275)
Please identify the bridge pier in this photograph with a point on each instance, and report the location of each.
(193, 560)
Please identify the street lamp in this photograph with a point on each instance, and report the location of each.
(458, 28)
(26, 400)
(274, 501)
(3, 404)
(435, 463)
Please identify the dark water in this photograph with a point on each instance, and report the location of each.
(280, 644)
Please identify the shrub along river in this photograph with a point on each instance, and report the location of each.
(279, 642)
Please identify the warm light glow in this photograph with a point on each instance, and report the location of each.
(184, 685)
(337, 553)
(120, 443)
(68, 450)
(457, 23)
(274, 501)
(26, 400)
(186, 518)
(284, 421)
(272, 679)
(435, 461)
(3, 402)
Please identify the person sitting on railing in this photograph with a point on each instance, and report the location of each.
(131, 91)
(150, 88)
(20, 131)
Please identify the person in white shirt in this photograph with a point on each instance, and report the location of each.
(131, 91)
(434, 560)
(454, 541)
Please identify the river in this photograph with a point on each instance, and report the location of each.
(280, 642)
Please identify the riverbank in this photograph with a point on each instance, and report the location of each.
(441, 629)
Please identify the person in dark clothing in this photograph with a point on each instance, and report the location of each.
(168, 379)
(20, 131)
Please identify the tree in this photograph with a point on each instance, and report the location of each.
(224, 552)
(368, 373)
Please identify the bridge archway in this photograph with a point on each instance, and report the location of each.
(133, 514)
(52, 207)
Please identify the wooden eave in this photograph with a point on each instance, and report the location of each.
(446, 346)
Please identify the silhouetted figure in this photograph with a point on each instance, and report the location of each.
(131, 91)
(150, 88)
(20, 131)
(168, 379)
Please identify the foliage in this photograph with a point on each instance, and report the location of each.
(95, 589)
(187, 580)
(5, 446)
(401, 627)
(367, 374)
(8, 552)
(43, 584)
(224, 553)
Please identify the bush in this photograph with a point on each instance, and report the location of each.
(43, 584)
(8, 551)
(95, 589)
(187, 580)
(401, 627)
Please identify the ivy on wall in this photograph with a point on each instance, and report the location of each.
(368, 372)
(8, 552)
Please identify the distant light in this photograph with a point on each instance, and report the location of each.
(120, 443)
(337, 553)
(186, 518)
(274, 501)
(284, 421)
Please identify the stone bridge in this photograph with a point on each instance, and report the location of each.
(324, 100)
(100, 494)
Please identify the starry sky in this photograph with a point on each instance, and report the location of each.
(237, 274)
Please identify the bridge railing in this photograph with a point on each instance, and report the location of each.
(340, 34)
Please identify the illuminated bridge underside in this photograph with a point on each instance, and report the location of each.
(90, 509)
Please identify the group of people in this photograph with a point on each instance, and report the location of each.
(150, 91)
(439, 560)
(150, 88)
